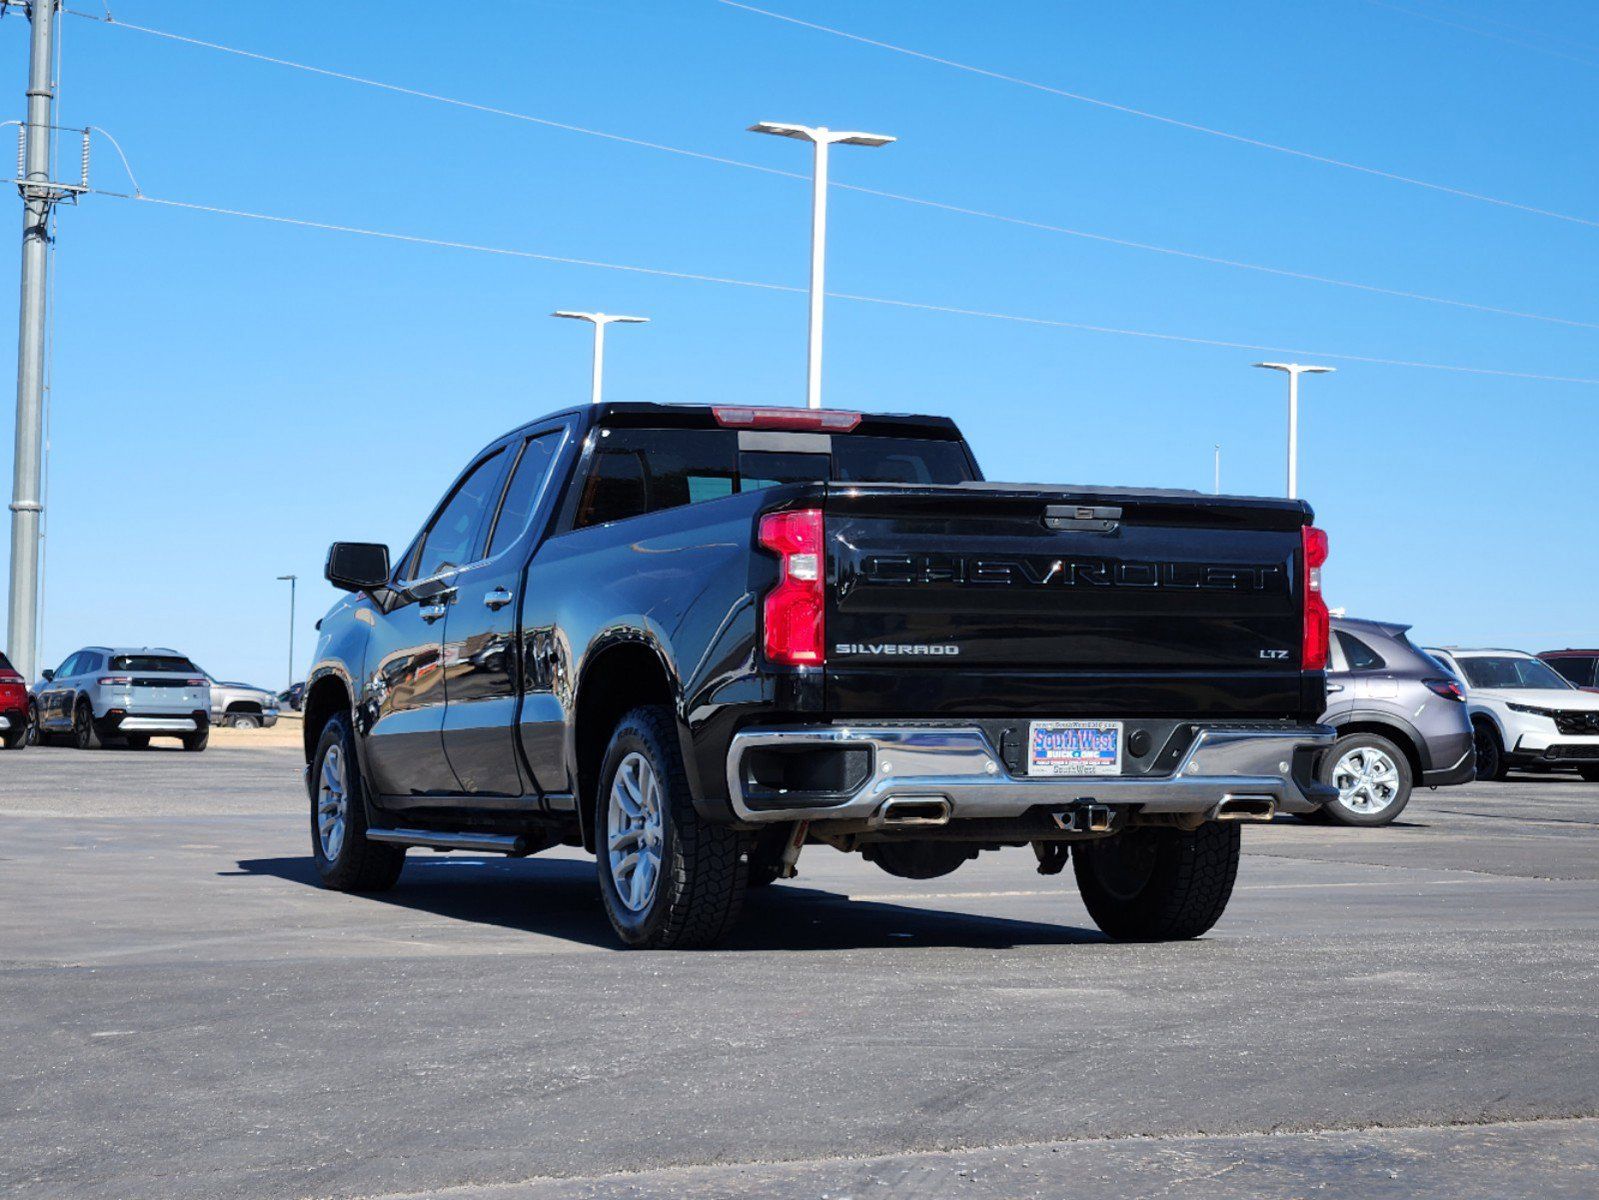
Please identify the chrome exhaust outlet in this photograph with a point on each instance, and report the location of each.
(914, 810)
(1245, 808)
(1087, 818)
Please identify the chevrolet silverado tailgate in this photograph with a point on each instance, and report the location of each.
(1064, 601)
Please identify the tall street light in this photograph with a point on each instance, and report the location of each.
(1294, 371)
(293, 583)
(820, 137)
(599, 320)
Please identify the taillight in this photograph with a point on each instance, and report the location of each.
(1447, 688)
(194, 683)
(792, 611)
(116, 680)
(1313, 649)
(10, 677)
(820, 419)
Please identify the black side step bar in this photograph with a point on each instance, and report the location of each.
(485, 843)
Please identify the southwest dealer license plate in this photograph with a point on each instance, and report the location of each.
(1074, 748)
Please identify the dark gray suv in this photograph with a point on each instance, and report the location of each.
(1401, 719)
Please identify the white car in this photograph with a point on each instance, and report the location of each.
(1524, 713)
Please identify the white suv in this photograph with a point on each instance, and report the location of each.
(1524, 714)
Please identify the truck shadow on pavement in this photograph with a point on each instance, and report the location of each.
(560, 898)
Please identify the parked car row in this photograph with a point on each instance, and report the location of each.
(1408, 717)
(124, 696)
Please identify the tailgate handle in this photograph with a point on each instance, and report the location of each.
(1084, 518)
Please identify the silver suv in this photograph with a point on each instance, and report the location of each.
(1525, 713)
(105, 695)
(1401, 721)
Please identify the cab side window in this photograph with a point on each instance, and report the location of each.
(1360, 656)
(523, 491)
(452, 539)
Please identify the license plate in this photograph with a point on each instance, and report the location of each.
(1074, 748)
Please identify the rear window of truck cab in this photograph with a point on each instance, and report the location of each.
(637, 471)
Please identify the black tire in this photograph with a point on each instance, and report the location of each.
(1590, 774)
(1158, 884)
(358, 864)
(699, 889)
(83, 734)
(16, 737)
(1336, 810)
(244, 721)
(1490, 752)
(35, 734)
(138, 741)
(198, 740)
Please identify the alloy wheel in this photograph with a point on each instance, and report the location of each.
(1367, 780)
(634, 832)
(332, 803)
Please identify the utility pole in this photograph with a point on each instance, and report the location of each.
(1218, 468)
(39, 196)
(292, 580)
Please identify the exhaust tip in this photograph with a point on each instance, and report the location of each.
(1246, 808)
(915, 810)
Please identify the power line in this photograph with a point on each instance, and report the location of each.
(696, 277)
(1191, 126)
(1021, 222)
(1485, 33)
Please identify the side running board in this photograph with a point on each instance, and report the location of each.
(483, 843)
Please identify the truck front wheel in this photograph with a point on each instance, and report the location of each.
(669, 880)
(1156, 884)
(346, 861)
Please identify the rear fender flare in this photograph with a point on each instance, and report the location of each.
(1399, 725)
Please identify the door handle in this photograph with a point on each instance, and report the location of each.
(1334, 687)
(496, 598)
(431, 612)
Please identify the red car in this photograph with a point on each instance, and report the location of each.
(1580, 667)
(13, 707)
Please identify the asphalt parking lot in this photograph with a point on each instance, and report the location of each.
(1399, 1012)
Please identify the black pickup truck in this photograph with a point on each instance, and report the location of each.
(695, 639)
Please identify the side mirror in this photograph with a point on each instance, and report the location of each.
(357, 566)
(47, 674)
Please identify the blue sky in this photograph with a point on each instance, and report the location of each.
(230, 396)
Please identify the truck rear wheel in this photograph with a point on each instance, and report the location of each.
(669, 879)
(1156, 884)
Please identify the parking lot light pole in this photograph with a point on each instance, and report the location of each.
(1294, 371)
(599, 320)
(293, 583)
(821, 138)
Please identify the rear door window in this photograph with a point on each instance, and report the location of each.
(523, 490)
(1360, 656)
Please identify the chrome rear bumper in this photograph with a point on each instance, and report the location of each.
(1224, 765)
